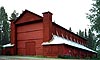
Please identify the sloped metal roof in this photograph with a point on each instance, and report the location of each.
(60, 40)
(8, 45)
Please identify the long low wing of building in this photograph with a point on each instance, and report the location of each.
(60, 40)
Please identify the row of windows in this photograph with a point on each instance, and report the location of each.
(70, 38)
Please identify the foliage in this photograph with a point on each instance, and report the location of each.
(94, 17)
(90, 37)
(98, 45)
(4, 27)
(40, 56)
(81, 33)
(85, 34)
(98, 55)
(70, 29)
(67, 57)
(14, 15)
(91, 40)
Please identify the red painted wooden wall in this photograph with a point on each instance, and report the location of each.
(30, 30)
(53, 50)
(28, 34)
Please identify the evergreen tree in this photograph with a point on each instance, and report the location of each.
(0, 31)
(81, 33)
(77, 33)
(0, 36)
(4, 27)
(85, 33)
(98, 44)
(94, 17)
(14, 15)
(90, 37)
(91, 40)
(70, 29)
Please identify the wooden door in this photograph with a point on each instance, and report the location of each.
(30, 48)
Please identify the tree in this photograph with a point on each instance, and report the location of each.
(94, 17)
(98, 45)
(4, 27)
(70, 29)
(81, 33)
(90, 37)
(85, 33)
(14, 15)
(91, 40)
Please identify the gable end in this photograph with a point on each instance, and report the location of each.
(27, 16)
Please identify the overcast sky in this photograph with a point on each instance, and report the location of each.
(67, 13)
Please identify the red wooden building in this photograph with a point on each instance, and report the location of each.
(32, 34)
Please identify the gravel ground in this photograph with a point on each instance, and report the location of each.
(27, 58)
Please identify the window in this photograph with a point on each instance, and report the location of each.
(66, 36)
(62, 35)
(77, 41)
(57, 33)
(70, 38)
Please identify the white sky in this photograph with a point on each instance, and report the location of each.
(67, 13)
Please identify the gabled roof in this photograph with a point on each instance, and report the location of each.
(27, 16)
(60, 40)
